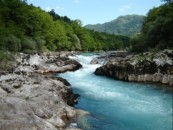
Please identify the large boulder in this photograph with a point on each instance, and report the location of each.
(146, 67)
(45, 63)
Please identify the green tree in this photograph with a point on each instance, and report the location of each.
(157, 29)
(27, 28)
(167, 1)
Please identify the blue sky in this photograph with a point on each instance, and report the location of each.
(96, 11)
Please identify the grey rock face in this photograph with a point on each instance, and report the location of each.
(30, 100)
(146, 67)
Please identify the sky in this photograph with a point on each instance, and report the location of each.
(96, 11)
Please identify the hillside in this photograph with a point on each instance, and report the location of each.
(124, 25)
(26, 28)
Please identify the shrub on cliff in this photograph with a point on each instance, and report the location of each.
(6, 59)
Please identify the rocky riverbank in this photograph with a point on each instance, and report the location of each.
(32, 99)
(155, 67)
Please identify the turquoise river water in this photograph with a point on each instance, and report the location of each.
(117, 105)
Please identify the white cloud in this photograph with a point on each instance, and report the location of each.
(58, 8)
(121, 9)
(48, 9)
(125, 8)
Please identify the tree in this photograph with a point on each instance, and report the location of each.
(54, 15)
(167, 1)
(27, 28)
(157, 30)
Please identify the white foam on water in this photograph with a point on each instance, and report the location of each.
(140, 101)
(82, 59)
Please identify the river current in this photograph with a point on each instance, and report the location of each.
(118, 105)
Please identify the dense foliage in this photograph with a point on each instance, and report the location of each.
(157, 30)
(26, 28)
(124, 25)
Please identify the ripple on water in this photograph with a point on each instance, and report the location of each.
(117, 105)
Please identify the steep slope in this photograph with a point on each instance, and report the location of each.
(124, 25)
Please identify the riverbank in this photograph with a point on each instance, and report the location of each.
(32, 99)
(153, 67)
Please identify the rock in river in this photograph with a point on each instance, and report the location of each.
(145, 67)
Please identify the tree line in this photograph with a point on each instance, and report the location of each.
(26, 28)
(157, 30)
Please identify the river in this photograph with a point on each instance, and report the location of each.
(117, 105)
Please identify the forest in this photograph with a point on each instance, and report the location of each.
(157, 30)
(26, 28)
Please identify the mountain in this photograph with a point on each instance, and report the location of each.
(124, 25)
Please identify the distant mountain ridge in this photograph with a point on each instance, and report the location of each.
(124, 25)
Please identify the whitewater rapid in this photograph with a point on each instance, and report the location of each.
(117, 105)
